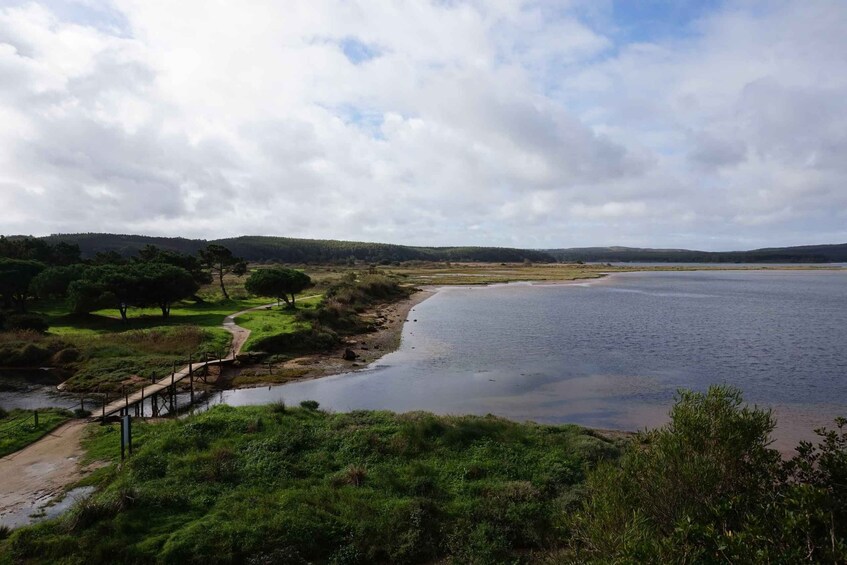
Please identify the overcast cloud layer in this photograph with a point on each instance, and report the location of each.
(536, 124)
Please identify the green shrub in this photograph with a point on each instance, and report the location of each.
(30, 321)
(310, 404)
(708, 488)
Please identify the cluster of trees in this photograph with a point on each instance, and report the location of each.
(154, 277)
(35, 268)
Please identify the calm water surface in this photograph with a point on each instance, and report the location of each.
(611, 353)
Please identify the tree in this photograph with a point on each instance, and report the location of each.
(161, 285)
(280, 283)
(15, 278)
(220, 261)
(115, 286)
(53, 282)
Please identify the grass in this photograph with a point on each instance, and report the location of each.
(276, 484)
(18, 429)
(276, 320)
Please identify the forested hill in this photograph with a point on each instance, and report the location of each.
(802, 254)
(291, 250)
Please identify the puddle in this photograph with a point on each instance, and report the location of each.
(42, 509)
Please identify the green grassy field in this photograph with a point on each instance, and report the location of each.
(18, 428)
(289, 485)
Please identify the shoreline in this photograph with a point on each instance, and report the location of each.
(369, 347)
(389, 318)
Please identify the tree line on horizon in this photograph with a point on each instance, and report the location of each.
(317, 251)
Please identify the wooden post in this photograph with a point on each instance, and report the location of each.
(105, 397)
(35, 413)
(142, 401)
(191, 386)
(82, 403)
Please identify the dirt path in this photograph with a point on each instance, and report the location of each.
(37, 474)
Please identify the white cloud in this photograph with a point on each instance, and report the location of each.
(507, 123)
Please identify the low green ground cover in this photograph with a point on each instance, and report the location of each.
(290, 485)
(18, 428)
(276, 320)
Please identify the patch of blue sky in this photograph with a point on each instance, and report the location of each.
(367, 120)
(99, 15)
(650, 21)
(357, 51)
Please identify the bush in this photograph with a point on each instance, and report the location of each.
(707, 488)
(310, 404)
(33, 322)
(304, 340)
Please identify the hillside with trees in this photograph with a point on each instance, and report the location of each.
(293, 250)
(326, 251)
(801, 254)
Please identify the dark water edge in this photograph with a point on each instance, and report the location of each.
(34, 388)
(610, 353)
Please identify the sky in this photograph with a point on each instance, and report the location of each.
(707, 124)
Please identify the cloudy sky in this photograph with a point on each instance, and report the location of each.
(699, 124)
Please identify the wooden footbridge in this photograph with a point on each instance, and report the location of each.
(161, 394)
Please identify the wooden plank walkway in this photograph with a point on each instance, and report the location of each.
(146, 392)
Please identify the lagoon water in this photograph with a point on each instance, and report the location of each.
(610, 353)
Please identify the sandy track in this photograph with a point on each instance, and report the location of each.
(33, 476)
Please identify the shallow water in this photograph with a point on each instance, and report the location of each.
(34, 388)
(46, 507)
(611, 353)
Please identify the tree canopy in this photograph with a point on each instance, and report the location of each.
(15, 278)
(280, 283)
(122, 286)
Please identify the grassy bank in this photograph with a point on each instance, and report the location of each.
(281, 485)
(268, 322)
(18, 428)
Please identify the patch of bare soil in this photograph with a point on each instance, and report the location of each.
(39, 473)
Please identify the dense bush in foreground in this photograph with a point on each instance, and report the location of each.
(706, 488)
(290, 485)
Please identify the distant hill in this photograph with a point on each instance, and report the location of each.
(801, 254)
(292, 250)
